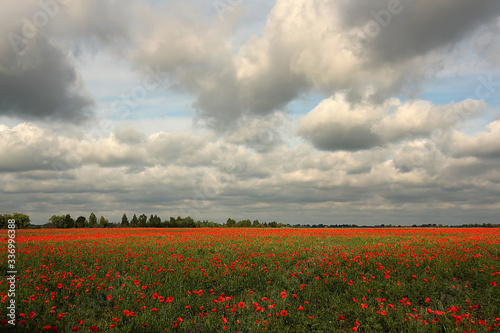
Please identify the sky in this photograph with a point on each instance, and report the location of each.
(296, 111)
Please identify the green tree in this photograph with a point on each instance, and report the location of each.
(244, 223)
(143, 219)
(134, 223)
(230, 223)
(68, 221)
(3, 221)
(81, 222)
(22, 220)
(57, 221)
(256, 224)
(92, 220)
(125, 221)
(188, 222)
(103, 222)
(173, 223)
(154, 221)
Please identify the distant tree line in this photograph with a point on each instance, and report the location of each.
(153, 221)
(22, 220)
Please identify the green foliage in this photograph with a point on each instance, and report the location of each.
(230, 223)
(125, 222)
(104, 223)
(92, 220)
(134, 223)
(69, 222)
(22, 220)
(81, 222)
(57, 221)
(142, 221)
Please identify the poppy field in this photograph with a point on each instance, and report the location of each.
(253, 280)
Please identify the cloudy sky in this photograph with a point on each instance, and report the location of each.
(299, 111)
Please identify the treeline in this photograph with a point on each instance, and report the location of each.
(153, 221)
(22, 220)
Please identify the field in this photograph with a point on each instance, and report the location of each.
(252, 280)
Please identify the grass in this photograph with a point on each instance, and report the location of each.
(286, 280)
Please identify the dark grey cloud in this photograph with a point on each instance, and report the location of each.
(38, 78)
(337, 137)
(396, 30)
(42, 83)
